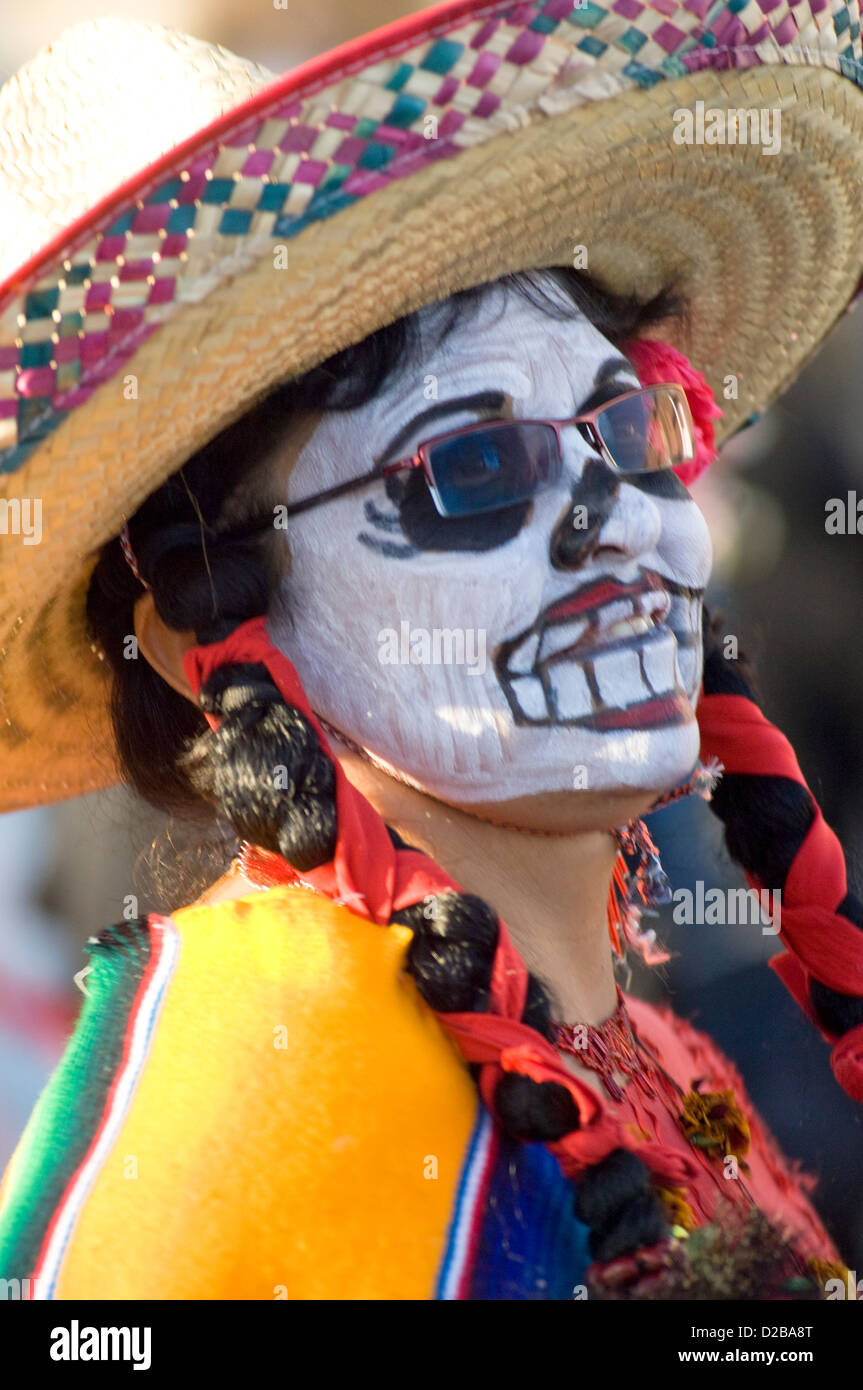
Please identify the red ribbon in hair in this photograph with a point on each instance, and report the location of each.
(657, 362)
(820, 941)
(374, 879)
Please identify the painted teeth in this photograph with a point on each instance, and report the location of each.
(530, 695)
(658, 660)
(570, 690)
(522, 659)
(628, 627)
(616, 672)
(560, 636)
(657, 604)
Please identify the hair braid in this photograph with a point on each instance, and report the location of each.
(450, 958)
(286, 806)
(766, 820)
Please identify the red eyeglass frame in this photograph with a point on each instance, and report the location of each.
(585, 421)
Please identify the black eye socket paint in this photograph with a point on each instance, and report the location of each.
(425, 529)
(381, 520)
(662, 482)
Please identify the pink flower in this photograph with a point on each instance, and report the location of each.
(656, 362)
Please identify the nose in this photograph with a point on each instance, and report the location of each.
(605, 512)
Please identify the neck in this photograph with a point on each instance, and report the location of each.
(552, 894)
(551, 890)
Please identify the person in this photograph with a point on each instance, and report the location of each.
(414, 632)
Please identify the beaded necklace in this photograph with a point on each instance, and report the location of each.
(610, 1047)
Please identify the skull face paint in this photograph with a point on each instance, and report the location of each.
(586, 600)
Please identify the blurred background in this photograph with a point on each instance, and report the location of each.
(789, 593)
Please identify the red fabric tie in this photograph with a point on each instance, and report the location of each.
(362, 871)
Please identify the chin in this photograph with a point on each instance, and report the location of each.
(614, 788)
(561, 779)
(565, 812)
(572, 773)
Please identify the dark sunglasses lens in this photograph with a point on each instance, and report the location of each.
(497, 466)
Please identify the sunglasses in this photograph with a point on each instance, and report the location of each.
(497, 463)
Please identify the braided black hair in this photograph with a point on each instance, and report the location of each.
(204, 545)
(767, 819)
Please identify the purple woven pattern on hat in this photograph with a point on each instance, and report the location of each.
(77, 324)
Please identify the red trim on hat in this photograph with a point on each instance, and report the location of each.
(299, 82)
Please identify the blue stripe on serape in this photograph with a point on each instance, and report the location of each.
(531, 1244)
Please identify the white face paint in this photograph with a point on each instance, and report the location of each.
(512, 653)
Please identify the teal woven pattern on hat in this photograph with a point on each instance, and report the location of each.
(77, 324)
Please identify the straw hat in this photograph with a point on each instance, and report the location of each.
(179, 230)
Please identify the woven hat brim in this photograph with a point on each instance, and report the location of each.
(769, 263)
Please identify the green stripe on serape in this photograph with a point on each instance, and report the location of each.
(70, 1109)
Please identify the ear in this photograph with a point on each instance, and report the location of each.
(162, 646)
